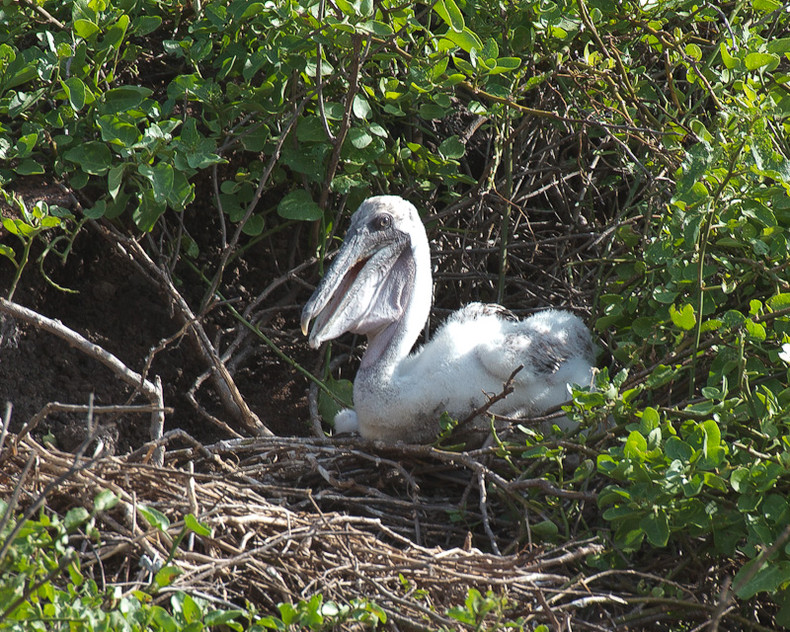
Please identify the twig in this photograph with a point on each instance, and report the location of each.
(83, 344)
(158, 425)
(137, 381)
(481, 483)
(345, 125)
(6, 422)
(226, 386)
(234, 240)
(44, 13)
(507, 389)
(53, 407)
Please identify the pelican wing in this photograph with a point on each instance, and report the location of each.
(553, 347)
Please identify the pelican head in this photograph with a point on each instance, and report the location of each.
(373, 279)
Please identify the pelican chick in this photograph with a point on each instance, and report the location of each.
(380, 285)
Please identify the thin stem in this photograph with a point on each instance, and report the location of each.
(22, 263)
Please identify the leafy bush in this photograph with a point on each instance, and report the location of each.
(706, 299)
(238, 79)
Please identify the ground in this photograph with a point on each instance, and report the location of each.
(110, 302)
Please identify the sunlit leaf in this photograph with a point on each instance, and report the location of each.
(154, 517)
(684, 317)
(754, 61)
(451, 14)
(85, 28)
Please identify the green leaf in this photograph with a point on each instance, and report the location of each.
(767, 161)
(75, 517)
(663, 295)
(105, 500)
(311, 129)
(116, 131)
(18, 227)
(755, 330)
(361, 107)
(506, 64)
(466, 40)
(694, 51)
(545, 529)
(451, 14)
(649, 420)
(359, 137)
(115, 180)
(635, 446)
(25, 144)
(193, 524)
(778, 46)
(92, 157)
(8, 252)
(677, 449)
(299, 205)
(29, 167)
(124, 98)
(759, 212)
(779, 301)
(712, 442)
(116, 33)
(429, 111)
(684, 318)
(328, 406)
(216, 618)
(346, 7)
(698, 159)
(166, 575)
(759, 60)
(77, 93)
(366, 8)
(97, 210)
(452, 148)
(376, 28)
(161, 178)
(766, 6)
(254, 225)
(154, 517)
(730, 62)
(656, 528)
(85, 28)
(148, 211)
(182, 193)
(146, 24)
(770, 576)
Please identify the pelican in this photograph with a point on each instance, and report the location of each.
(380, 285)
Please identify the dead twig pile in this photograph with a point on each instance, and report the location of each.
(272, 542)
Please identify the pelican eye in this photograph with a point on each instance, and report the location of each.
(382, 222)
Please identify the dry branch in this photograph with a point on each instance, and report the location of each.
(226, 386)
(268, 553)
(275, 536)
(152, 390)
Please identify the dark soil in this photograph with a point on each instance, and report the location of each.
(114, 305)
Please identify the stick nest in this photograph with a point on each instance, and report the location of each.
(292, 517)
